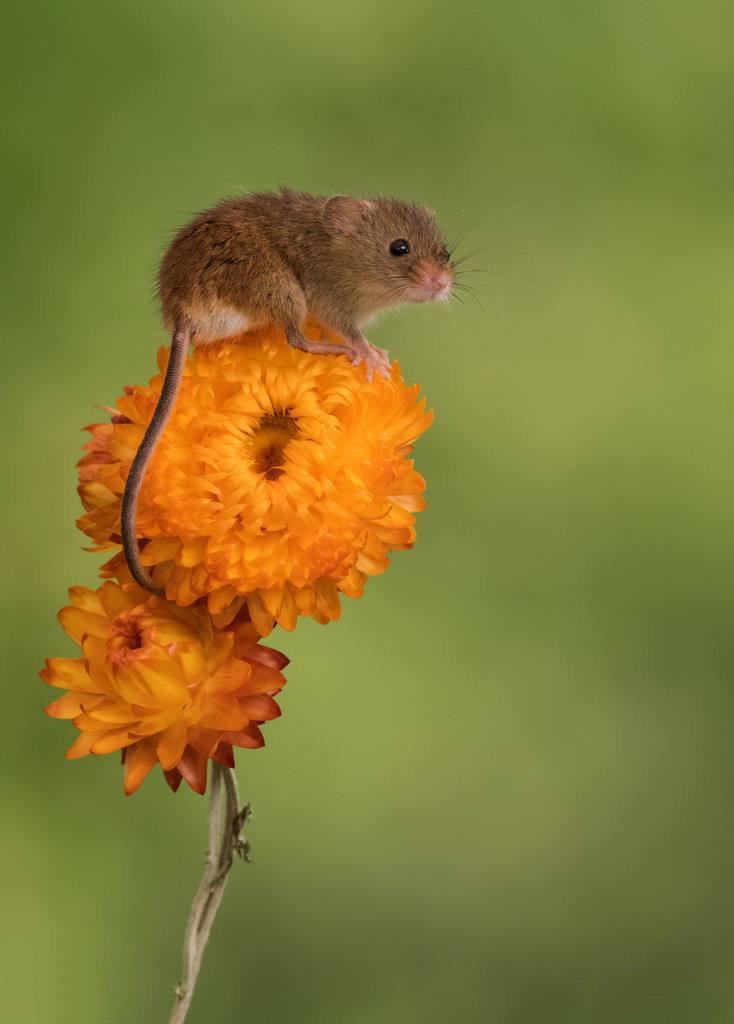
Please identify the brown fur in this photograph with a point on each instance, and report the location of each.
(275, 257)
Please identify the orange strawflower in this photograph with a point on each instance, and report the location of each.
(282, 480)
(161, 683)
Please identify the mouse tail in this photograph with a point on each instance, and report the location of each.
(161, 415)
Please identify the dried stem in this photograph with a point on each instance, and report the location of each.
(225, 840)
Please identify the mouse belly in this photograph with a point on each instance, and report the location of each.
(219, 322)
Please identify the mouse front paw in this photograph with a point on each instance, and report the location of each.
(374, 359)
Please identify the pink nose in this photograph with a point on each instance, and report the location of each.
(438, 280)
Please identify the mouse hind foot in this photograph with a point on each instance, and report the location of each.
(317, 348)
(358, 349)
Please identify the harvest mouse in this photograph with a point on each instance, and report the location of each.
(276, 258)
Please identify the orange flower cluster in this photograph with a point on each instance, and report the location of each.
(161, 683)
(282, 480)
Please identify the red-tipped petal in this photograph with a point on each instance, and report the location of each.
(267, 656)
(193, 769)
(250, 737)
(260, 708)
(224, 755)
(173, 778)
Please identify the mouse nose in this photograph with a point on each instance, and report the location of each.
(437, 281)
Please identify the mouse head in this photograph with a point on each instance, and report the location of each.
(392, 251)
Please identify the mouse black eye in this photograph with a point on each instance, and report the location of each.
(399, 247)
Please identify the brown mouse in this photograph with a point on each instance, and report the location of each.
(276, 258)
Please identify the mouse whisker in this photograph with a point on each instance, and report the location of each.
(464, 309)
(464, 285)
(464, 232)
(389, 293)
(394, 289)
(469, 291)
(495, 277)
(474, 252)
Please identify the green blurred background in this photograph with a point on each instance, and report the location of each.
(501, 787)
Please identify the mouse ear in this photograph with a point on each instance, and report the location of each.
(344, 214)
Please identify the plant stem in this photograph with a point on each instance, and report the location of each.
(225, 839)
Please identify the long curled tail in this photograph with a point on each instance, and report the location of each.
(161, 414)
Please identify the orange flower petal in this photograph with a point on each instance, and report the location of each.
(160, 549)
(108, 712)
(68, 673)
(161, 678)
(139, 759)
(171, 744)
(115, 600)
(78, 623)
(68, 706)
(113, 740)
(82, 745)
(233, 676)
(204, 741)
(223, 714)
(86, 599)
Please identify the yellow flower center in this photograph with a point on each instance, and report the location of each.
(126, 636)
(269, 442)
